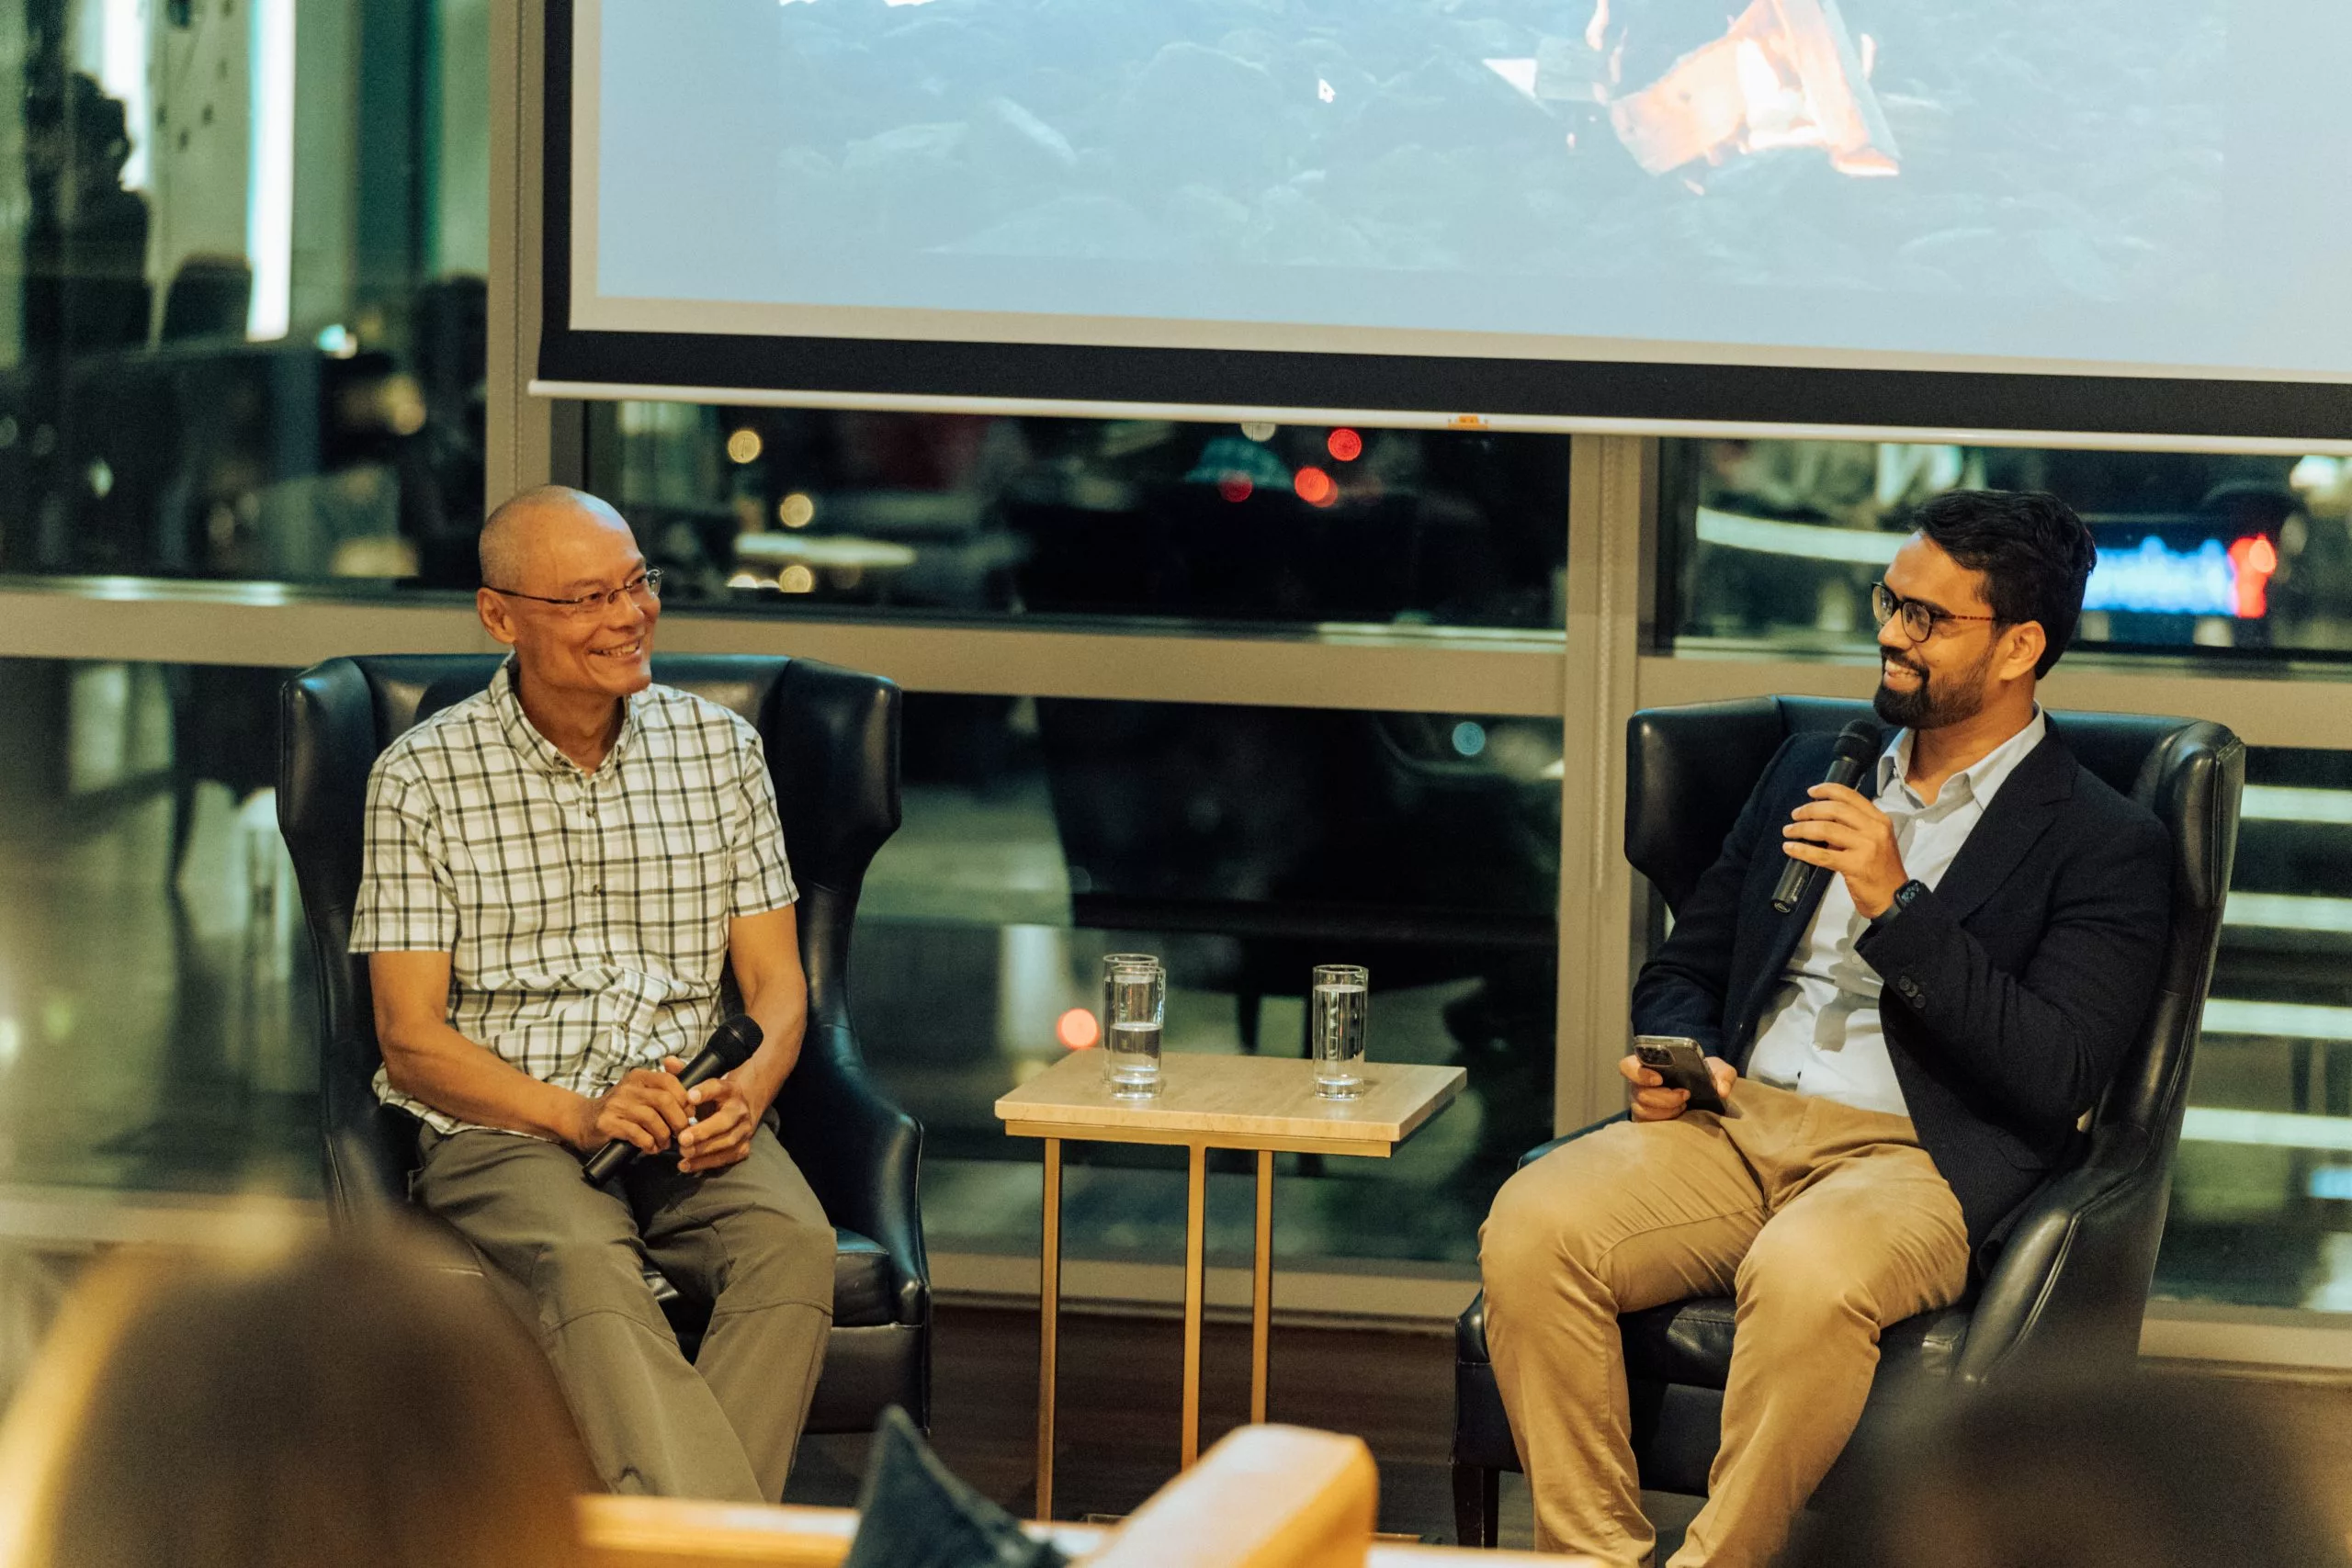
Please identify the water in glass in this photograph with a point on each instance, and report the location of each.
(1135, 994)
(1339, 1007)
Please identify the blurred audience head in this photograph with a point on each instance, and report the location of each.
(2150, 1471)
(332, 1403)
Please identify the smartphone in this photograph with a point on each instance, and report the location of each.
(1683, 1064)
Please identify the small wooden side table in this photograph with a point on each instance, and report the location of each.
(1263, 1104)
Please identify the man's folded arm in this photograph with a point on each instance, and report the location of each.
(764, 950)
(1680, 990)
(427, 1060)
(2043, 1044)
(764, 927)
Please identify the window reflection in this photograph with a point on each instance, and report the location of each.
(250, 339)
(1139, 518)
(2262, 1193)
(1779, 540)
(156, 1024)
(1244, 846)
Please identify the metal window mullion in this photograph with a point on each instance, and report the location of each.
(1612, 488)
(1511, 676)
(519, 434)
(2264, 711)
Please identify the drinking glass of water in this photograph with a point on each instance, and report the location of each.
(1135, 998)
(1337, 1008)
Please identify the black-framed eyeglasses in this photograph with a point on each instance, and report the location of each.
(1919, 620)
(645, 586)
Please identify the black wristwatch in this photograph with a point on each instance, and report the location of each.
(1905, 896)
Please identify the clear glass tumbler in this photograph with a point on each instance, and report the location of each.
(1134, 1000)
(1338, 1009)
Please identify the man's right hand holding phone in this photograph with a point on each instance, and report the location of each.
(1651, 1101)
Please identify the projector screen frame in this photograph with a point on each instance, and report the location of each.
(1689, 398)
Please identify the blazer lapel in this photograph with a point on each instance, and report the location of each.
(2020, 814)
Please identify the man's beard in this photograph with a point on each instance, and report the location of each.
(1937, 700)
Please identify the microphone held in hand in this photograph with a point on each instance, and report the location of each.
(1858, 748)
(731, 1044)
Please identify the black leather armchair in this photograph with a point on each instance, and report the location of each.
(2071, 1281)
(832, 747)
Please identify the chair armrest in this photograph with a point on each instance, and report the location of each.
(862, 1154)
(2070, 1287)
(1288, 1499)
(1264, 1498)
(359, 1178)
(671, 1532)
(367, 1155)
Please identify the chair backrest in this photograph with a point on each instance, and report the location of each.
(831, 737)
(1689, 768)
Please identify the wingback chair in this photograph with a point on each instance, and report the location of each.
(831, 737)
(2072, 1281)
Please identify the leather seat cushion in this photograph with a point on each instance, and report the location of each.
(1690, 1342)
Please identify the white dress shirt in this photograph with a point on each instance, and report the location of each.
(1821, 1036)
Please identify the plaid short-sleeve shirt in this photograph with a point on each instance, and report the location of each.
(585, 914)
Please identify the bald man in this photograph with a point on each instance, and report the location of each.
(558, 872)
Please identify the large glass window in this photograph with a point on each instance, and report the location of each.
(156, 1027)
(1243, 845)
(2262, 1195)
(156, 1023)
(242, 288)
(1775, 542)
(764, 509)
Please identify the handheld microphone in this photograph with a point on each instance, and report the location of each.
(1858, 748)
(730, 1045)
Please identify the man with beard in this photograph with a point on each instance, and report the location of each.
(1901, 1062)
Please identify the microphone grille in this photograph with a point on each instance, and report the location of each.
(1860, 742)
(738, 1038)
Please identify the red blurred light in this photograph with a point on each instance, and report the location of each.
(1076, 1030)
(1315, 487)
(1236, 488)
(2256, 559)
(1346, 445)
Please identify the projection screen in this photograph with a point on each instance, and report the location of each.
(2126, 219)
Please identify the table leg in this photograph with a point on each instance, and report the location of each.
(1196, 1206)
(1261, 1287)
(1049, 1306)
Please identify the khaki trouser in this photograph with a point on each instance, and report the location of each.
(751, 1239)
(1824, 1221)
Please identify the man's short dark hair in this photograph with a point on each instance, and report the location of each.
(2036, 556)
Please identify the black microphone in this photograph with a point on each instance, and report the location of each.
(731, 1044)
(1858, 748)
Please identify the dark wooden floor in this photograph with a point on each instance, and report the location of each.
(1119, 1402)
(1118, 1411)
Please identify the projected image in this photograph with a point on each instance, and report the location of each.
(1533, 165)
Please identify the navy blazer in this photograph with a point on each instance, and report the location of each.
(2011, 990)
